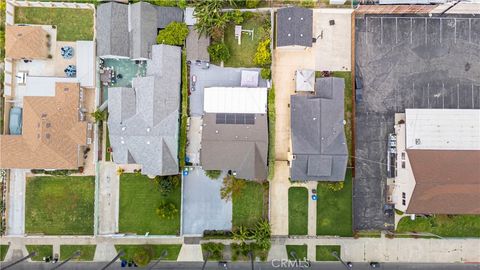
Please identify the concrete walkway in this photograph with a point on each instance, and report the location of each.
(109, 188)
(190, 253)
(279, 197)
(16, 202)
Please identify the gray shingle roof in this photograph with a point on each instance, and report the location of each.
(294, 27)
(143, 120)
(318, 137)
(116, 37)
(112, 28)
(236, 147)
(197, 45)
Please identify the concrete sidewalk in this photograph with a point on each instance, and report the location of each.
(16, 202)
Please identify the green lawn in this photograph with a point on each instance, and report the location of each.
(242, 55)
(442, 225)
(107, 145)
(297, 211)
(300, 251)
(87, 252)
(214, 250)
(271, 133)
(334, 209)
(60, 205)
(41, 250)
(72, 24)
(324, 253)
(3, 251)
(139, 199)
(247, 205)
(153, 251)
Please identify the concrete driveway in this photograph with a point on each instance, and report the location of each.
(16, 202)
(203, 209)
(334, 42)
(108, 199)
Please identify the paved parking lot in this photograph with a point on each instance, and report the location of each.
(406, 62)
(203, 209)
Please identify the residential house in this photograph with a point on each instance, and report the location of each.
(294, 28)
(129, 31)
(319, 149)
(235, 131)
(438, 161)
(143, 120)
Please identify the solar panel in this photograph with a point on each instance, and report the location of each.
(220, 118)
(250, 119)
(230, 118)
(235, 118)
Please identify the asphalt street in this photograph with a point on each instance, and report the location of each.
(246, 266)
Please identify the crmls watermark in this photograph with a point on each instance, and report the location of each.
(285, 263)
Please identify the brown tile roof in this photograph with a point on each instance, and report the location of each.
(447, 181)
(26, 42)
(52, 133)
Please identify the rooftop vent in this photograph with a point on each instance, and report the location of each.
(417, 141)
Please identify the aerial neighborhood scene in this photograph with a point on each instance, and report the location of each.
(240, 134)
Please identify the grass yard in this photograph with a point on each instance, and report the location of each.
(60, 205)
(87, 252)
(215, 251)
(242, 55)
(41, 250)
(334, 209)
(108, 155)
(247, 205)
(300, 252)
(3, 251)
(297, 211)
(139, 199)
(72, 24)
(271, 133)
(153, 252)
(442, 225)
(324, 253)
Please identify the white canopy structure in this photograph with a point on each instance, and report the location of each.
(305, 80)
(235, 100)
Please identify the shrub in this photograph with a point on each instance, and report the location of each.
(217, 234)
(252, 3)
(174, 34)
(167, 210)
(217, 34)
(99, 116)
(262, 234)
(219, 52)
(120, 170)
(398, 212)
(167, 184)
(308, 3)
(143, 256)
(231, 186)
(266, 73)
(335, 186)
(263, 56)
(213, 174)
(236, 16)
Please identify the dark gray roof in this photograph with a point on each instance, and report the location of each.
(294, 27)
(143, 120)
(197, 45)
(112, 28)
(166, 15)
(131, 30)
(318, 137)
(237, 147)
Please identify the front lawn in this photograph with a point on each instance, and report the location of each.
(72, 24)
(334, 209)
(87, 252)
(3, 251)
(60, 205)
(242, 55)
(146, 253)
(297, 211)
(442, 225)
(299, 252)
(41, 250)
(139, 200)
(324, 253)
(248, 204)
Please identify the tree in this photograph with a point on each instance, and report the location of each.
(235, 16)
(263, 56)
(231, 186)
(174, 34)
(252, 3)
(143, 256)
(167, 184)
(209, 15)
(213, 174)
(99, 116)
(266, 73)
(241, 234)
(219, 52)
(167, 210)
(262, 234)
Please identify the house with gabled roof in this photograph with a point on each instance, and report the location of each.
(294, 28)
(143, 120)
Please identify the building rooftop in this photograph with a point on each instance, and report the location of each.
(26, 42)
(235, 100)
(143, 120)
(294, 27)
(53, 136)
(318, 138)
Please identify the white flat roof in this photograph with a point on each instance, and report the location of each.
(42, 86)
(445, 129)
(235, 100)
(86, 63)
